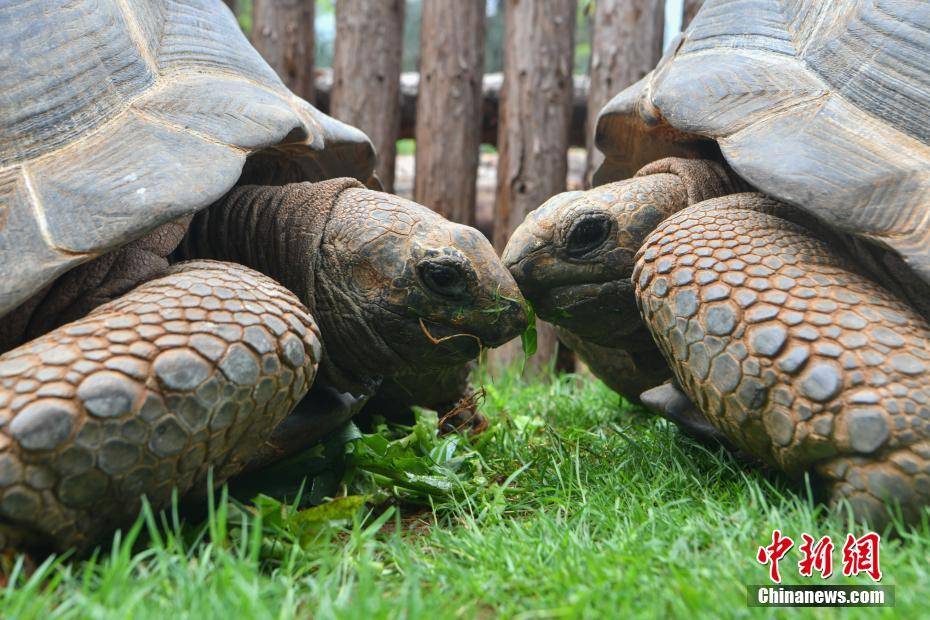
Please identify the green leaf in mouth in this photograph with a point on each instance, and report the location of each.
(528, 337)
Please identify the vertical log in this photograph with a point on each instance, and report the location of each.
(366, 74)
(535, 116)
(691, 9)
(626, 44)
(448, 122)
(282, 32)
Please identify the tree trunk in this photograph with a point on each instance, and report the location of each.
(282, 32)
(448, 120)
(366, 74)
(535, 116)
(626, 44)
(691, 9)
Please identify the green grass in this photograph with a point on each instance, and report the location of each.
(575, 506)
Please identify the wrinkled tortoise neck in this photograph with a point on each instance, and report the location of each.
(279, 231)
(276, 230)
(663, 188)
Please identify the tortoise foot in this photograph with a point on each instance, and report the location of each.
(187, 372)
(674, 405)
(789, 351)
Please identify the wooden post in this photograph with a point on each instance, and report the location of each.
(691, 9)
(536, 103)
(366, 74)
(448, 116)
(282, 32)
(626, 44)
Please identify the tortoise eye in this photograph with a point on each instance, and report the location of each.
(587, 234)
(443, 278)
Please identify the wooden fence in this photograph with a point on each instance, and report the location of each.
(532, 112)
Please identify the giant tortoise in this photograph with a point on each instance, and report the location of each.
(770, 252)
(136, 134)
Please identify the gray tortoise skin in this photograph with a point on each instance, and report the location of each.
(197, 271)
(762, 215)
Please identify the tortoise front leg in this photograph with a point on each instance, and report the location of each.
(790, 352)
(190, 371)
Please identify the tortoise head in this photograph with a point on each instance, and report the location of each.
(406, 290)
(573, 257)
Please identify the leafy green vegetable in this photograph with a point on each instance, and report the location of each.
(407, 463)
(303, 526)
(528, 337)
(299, 502)
(314, 474)
(416, 466)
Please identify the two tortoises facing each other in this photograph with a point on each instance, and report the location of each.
(771, 253)
(150, 132)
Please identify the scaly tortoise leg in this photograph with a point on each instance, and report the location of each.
(190, 371)
(790, 352)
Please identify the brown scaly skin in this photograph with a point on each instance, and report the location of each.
(188, 371)
(791, 353)
(788, 352)
(197, 368)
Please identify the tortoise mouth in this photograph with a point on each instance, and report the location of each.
(599, 311)
(569, 303)
(454, 344)
(551, 284)
(466, 337)
(417, 342)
